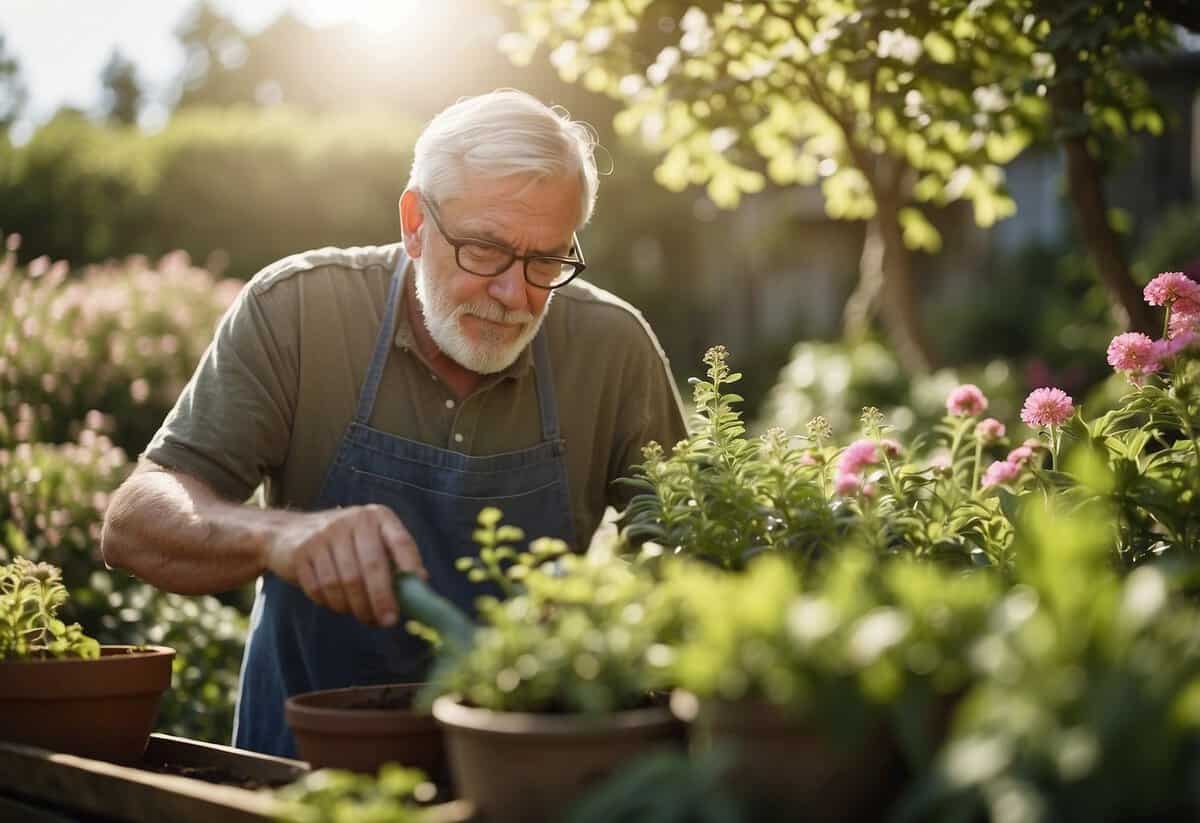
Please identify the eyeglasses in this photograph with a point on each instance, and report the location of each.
(487, 259)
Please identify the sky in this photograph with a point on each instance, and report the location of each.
(62, 45)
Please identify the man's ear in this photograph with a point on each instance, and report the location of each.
(411, 219)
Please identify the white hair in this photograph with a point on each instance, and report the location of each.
(505, 133)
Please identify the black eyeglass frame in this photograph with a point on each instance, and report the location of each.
(458, 242)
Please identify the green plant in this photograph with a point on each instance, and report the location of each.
(723, 497)
(845, 647)
(1087, 698)
(52, 509)
(576, 633)
(30, 596)
(1142, 458)
(337, 796)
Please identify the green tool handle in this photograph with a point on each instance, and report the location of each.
(424, 605)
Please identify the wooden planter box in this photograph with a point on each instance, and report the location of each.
(178, 781)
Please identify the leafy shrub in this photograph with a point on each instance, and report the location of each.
(122, 338)
(1087, 700)
(338, 796)
(572, 634)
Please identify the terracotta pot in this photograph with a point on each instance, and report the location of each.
(523, 767)
(362, 727)
(786, 769)
(103, 709)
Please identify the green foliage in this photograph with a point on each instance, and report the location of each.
(123, 338)
(31, 595)
(577, 634)
(1086, 707)
(853, 644)
(848, 95)
(337, 796)
(245, 187)
(1172, 245)
(723, 497)
(52, 512)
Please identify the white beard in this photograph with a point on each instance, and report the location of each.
(443, 318)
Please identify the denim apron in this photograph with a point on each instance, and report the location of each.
(296, 646)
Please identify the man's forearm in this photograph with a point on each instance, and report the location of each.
(175, 533)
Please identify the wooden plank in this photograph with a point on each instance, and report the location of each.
(136, 795)
(14, 809)
(124, 792)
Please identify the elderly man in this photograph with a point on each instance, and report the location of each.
(384, 396)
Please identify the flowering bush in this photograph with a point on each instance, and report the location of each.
(1141, 459)
(122, 338)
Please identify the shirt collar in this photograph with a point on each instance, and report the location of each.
(406, 339)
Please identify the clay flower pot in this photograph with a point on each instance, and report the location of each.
(782, 764)
(516, 766)
(102, 708)
(362, 727)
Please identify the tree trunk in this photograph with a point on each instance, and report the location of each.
(1085, 186)
(901, 308)
(864, 301)
(887, 273)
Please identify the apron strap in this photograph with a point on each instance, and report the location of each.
(544, 380)
(383, 346)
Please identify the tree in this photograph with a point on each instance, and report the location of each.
(1097, 102)
(12, 90)
(122, 92)
(894, 108)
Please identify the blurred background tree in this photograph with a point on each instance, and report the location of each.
(122, 93)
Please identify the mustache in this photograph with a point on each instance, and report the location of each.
(495, 312)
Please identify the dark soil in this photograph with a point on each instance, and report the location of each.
(387, 699)
(213, 774)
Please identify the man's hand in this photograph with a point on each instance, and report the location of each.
(343, 559)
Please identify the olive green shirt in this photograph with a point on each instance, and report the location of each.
(278, 386)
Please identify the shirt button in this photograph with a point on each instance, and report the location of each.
(457, 437)
(449, 404)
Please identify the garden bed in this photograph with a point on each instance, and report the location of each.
(178, 781)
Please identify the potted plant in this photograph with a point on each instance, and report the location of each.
(554, 690)
(63, 691)
(1086, 703)
(826, 684)
(362, 728)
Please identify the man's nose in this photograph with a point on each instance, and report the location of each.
(508, 287)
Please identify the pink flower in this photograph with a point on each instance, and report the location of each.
(1000, 472)
(890, 447)
(940, 461)
(1174, 288)
(1133, 352)
(1047, 407)
(857, 456)
(1176, 343)
(870, 490)
(807, 459)
(966, 401)
(846, 484)
(989, 430)
(1020, 455)
(1182, 322)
